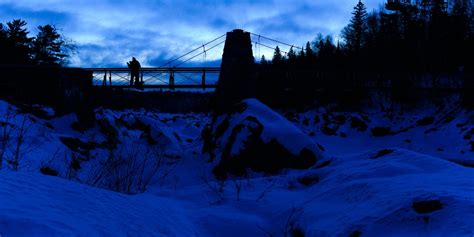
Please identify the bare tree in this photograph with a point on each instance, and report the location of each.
(20, 139)
(238, 186)
(5, 136)
(216, 187)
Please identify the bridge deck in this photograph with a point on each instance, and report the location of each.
(160, 69)
(158, 78)
(164, 86)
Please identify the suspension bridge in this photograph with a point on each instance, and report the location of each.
(174, 74)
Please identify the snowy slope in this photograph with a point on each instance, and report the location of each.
(447, 136)
(36, 205)
(368, 193)
(401, 184)
(376, 197)
(372, 196)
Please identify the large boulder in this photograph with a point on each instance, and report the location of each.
(253, 136)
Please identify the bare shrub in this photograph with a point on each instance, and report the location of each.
(215, 187)
(131, 168)
(290, 226)
(265, 191)
(238, 186)
(13, 145)
(5, 136)
(17, 153)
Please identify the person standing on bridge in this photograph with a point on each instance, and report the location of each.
(134, 66)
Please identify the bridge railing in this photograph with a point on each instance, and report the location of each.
(171, 78)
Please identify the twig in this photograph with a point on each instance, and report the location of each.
(268, 234)
(268, 189)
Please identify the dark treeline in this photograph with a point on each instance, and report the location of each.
(406, 45)
(32, 70)
(48, 47)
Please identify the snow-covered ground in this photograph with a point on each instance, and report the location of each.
(142, 173)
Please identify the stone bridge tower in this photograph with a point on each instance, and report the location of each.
(237, 76)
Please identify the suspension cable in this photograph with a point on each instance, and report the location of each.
(277, 41)
(205, 53)
(266, 46)
(212, 41)
(190, 52)
(197, 55)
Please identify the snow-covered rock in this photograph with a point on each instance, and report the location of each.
(255, 137)
(156, 132)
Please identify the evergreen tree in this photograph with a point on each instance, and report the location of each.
(277, 57)
(309, 51)
(291, 56)
(460, 15)
(373, 29)
(460, 32)
(263, 60)
(18, 42)
(3, 44)
(356, 32)
(325, 51)
(48, 46)
(310, 56)
(18, 33)
(3, 32)
(301, 54)
(319, 43)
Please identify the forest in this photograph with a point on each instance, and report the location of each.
(406, 45)
(48, 47)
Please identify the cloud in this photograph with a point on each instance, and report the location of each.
(34, 17)
(108, 33)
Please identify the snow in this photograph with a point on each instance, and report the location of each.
(36, 205)
(444, 139)
(355, 189)
(376, 197)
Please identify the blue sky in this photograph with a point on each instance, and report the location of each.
(110, 32)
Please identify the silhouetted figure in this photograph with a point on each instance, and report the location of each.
(134, 66)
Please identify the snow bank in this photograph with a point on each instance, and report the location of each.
(36, 205)
(402, 193)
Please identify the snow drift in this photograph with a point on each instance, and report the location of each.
(37, 205)
(402, 193)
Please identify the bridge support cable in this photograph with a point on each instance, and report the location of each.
(155, 77)
(269, 47)
(191, 51)
(204, 52)
(199, 54)
(190, 78)
(276, 41)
